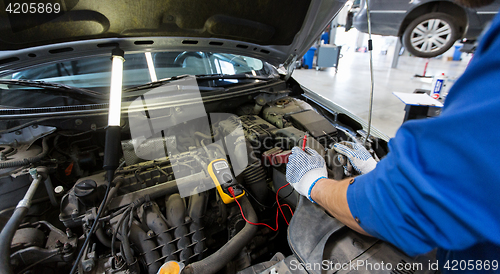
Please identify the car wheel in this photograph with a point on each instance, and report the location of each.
(430, 35)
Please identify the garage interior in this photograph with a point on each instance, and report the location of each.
(249, 137)
(349, 85)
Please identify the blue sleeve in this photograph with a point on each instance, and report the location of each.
(439, 185)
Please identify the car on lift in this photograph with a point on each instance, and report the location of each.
(209, 113)
(427, 28)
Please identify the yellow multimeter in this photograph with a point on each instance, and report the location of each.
(223, 178)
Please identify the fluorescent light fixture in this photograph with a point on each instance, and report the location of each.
(115, 94)
(151, 66)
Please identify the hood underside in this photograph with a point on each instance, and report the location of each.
(272, 30)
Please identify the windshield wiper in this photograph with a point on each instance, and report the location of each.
(205, 77)
(233, 76)
(53, 86)
(156, 83)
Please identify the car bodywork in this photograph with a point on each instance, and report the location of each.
(165, 204)
(392, 17)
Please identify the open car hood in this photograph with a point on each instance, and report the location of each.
(276, 31)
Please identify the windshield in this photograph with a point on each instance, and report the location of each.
(139, 68)
(96, 72)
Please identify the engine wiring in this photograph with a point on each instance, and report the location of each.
(93, 228)
(126, 213)
(261, 204)
(115, 233)
(278, 210)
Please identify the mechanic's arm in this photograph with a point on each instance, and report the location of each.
(331, 195)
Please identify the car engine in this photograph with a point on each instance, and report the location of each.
(147, 222)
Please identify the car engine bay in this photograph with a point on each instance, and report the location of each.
(147, 222)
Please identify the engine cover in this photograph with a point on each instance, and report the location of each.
(276, 111)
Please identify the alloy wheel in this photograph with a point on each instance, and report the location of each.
(431, 35)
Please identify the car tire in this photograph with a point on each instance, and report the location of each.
(430, 35)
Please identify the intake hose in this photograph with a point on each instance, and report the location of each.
(225, 254)
(146, 247)
(155, 221)
(30, 160)
(255, 179)
(15, 220)
(253, 173)
(6, 238)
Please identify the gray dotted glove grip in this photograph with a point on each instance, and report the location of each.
(304, 169)
(361, 160)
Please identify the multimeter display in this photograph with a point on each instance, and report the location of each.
(220, 165)
(223, 179)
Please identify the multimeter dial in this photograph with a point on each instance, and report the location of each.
(223, 179)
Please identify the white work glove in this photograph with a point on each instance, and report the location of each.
(360, 158)
(304, 169)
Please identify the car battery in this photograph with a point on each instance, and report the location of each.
(316, 125)
(287, 138)
(268, 157)
(275, 156)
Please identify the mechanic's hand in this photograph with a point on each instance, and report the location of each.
(360, 158)
(304, 169)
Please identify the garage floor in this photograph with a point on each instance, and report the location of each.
(350, 86)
